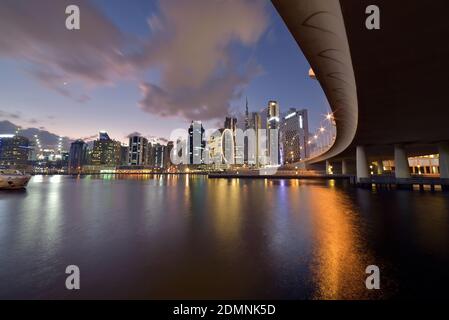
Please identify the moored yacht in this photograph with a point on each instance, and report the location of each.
(13, 179)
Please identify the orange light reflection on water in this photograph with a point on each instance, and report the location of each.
(340, 258)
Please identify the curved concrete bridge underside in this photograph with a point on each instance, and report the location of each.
(386, 87)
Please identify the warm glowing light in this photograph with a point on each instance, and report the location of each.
(291, 115)
(312, 74)
(339, 251)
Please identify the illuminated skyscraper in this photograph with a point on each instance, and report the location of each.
(253, 126)
(215, 148)
(273, 121)
(196, 143)
(294, 135)
(138, 151)
(14, 151)
(158, 155)
(78, 156)
(230, 123)
(246, 115)
(104, 136)
(228, 146)
(106, 151)
(124, 155)
(232, 140)
(168, 150)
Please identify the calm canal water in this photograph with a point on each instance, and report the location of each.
(193, 237)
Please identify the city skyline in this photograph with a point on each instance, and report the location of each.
(279, 139)
(77, 103)
(224, 157)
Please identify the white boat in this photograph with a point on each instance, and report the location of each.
(13, 179)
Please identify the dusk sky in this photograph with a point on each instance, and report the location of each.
(147, 66)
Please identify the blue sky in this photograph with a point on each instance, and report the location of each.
(82, 105)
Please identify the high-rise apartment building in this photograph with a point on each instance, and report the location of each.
(158, 154)
(106, 151)
(124, 155)
(14, 151)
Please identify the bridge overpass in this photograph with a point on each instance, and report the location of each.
(388, 89)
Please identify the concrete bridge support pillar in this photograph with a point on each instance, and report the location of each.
(328, 167)
(361, 163)
(443, 149)
(402, 170)
(380, 167)
(344, 167)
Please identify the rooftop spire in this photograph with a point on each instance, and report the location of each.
(246, 115)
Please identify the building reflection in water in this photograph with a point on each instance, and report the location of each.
(189, 237)
(225, 208)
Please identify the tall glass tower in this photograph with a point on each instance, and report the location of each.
(273, 121)
(197, 143)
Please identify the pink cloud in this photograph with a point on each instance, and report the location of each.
(190, 44)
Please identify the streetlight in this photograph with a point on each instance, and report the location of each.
(312, 74)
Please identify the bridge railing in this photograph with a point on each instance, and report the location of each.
(323, 138)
